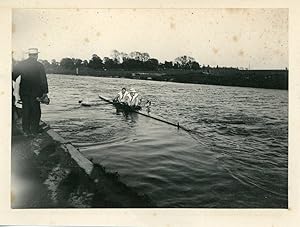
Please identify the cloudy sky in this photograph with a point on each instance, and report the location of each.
(224, 37)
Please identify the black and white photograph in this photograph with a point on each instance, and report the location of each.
(150, 108)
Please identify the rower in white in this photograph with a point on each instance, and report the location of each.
(122, 96)
(134, 99)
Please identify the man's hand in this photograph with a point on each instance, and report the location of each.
(44, 99)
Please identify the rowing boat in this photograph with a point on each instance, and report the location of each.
(122, 106)
(130, 109)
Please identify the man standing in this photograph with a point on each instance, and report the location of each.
(33, 89)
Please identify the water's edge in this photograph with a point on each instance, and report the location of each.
(62, 177)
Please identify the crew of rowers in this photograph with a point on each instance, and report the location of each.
(130, 98)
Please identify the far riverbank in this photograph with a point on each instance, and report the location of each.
(271, 79)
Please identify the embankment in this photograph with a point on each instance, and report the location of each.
(49, 172)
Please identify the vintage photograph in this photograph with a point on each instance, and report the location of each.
(149, 108)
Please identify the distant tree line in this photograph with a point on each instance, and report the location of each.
(183, 69)
(119, 60)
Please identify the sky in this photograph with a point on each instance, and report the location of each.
(225, 37)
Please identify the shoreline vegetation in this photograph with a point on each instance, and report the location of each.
(270, 79)
(184, 69)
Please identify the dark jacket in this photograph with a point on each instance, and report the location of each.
(33, 78)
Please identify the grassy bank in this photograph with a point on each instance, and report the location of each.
(271, 79)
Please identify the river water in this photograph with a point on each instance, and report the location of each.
(236, 156)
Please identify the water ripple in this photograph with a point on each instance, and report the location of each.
(234, 156)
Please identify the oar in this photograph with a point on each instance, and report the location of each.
(165, 121)
(91, 103)
(150, 116)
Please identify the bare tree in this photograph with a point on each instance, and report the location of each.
(123, 56)
(183, 60)
(139, 56)
(116, 56)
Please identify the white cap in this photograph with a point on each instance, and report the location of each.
(33, 51)
(132, 90)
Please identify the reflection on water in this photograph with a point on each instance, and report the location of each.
(236, 155)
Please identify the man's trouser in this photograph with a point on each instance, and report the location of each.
(31, 114)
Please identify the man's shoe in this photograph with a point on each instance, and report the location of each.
(28, 135)
(34, 134)
(40, 130)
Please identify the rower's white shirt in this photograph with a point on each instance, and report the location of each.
(134, 100)
(123, 98)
